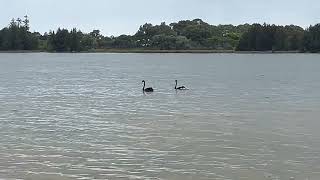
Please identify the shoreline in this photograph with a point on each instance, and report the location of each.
(154, 51)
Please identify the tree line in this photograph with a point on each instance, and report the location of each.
(280, 38)
(182, 35)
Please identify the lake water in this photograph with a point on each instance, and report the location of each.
(84, 116)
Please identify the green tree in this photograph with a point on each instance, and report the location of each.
(75, 40)
(124, 41)
(17, 37)
(312, 39)
(59, 41)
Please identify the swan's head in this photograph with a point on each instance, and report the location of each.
(176, 80)
(143, 81)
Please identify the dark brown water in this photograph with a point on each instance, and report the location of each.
(84, 116)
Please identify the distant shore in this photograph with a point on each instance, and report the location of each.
(192, 51)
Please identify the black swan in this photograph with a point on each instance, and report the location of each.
(150, 89)
(179, 88)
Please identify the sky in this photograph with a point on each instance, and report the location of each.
(116, 17)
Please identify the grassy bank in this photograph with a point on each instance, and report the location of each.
(195, 51)
(160, 51)
(21, 51)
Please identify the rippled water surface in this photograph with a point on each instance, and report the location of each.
(84, 116)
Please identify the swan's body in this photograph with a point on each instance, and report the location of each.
(150, 89)
(179, 88)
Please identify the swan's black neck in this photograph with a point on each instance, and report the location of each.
(176, 85)
(144, 85)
